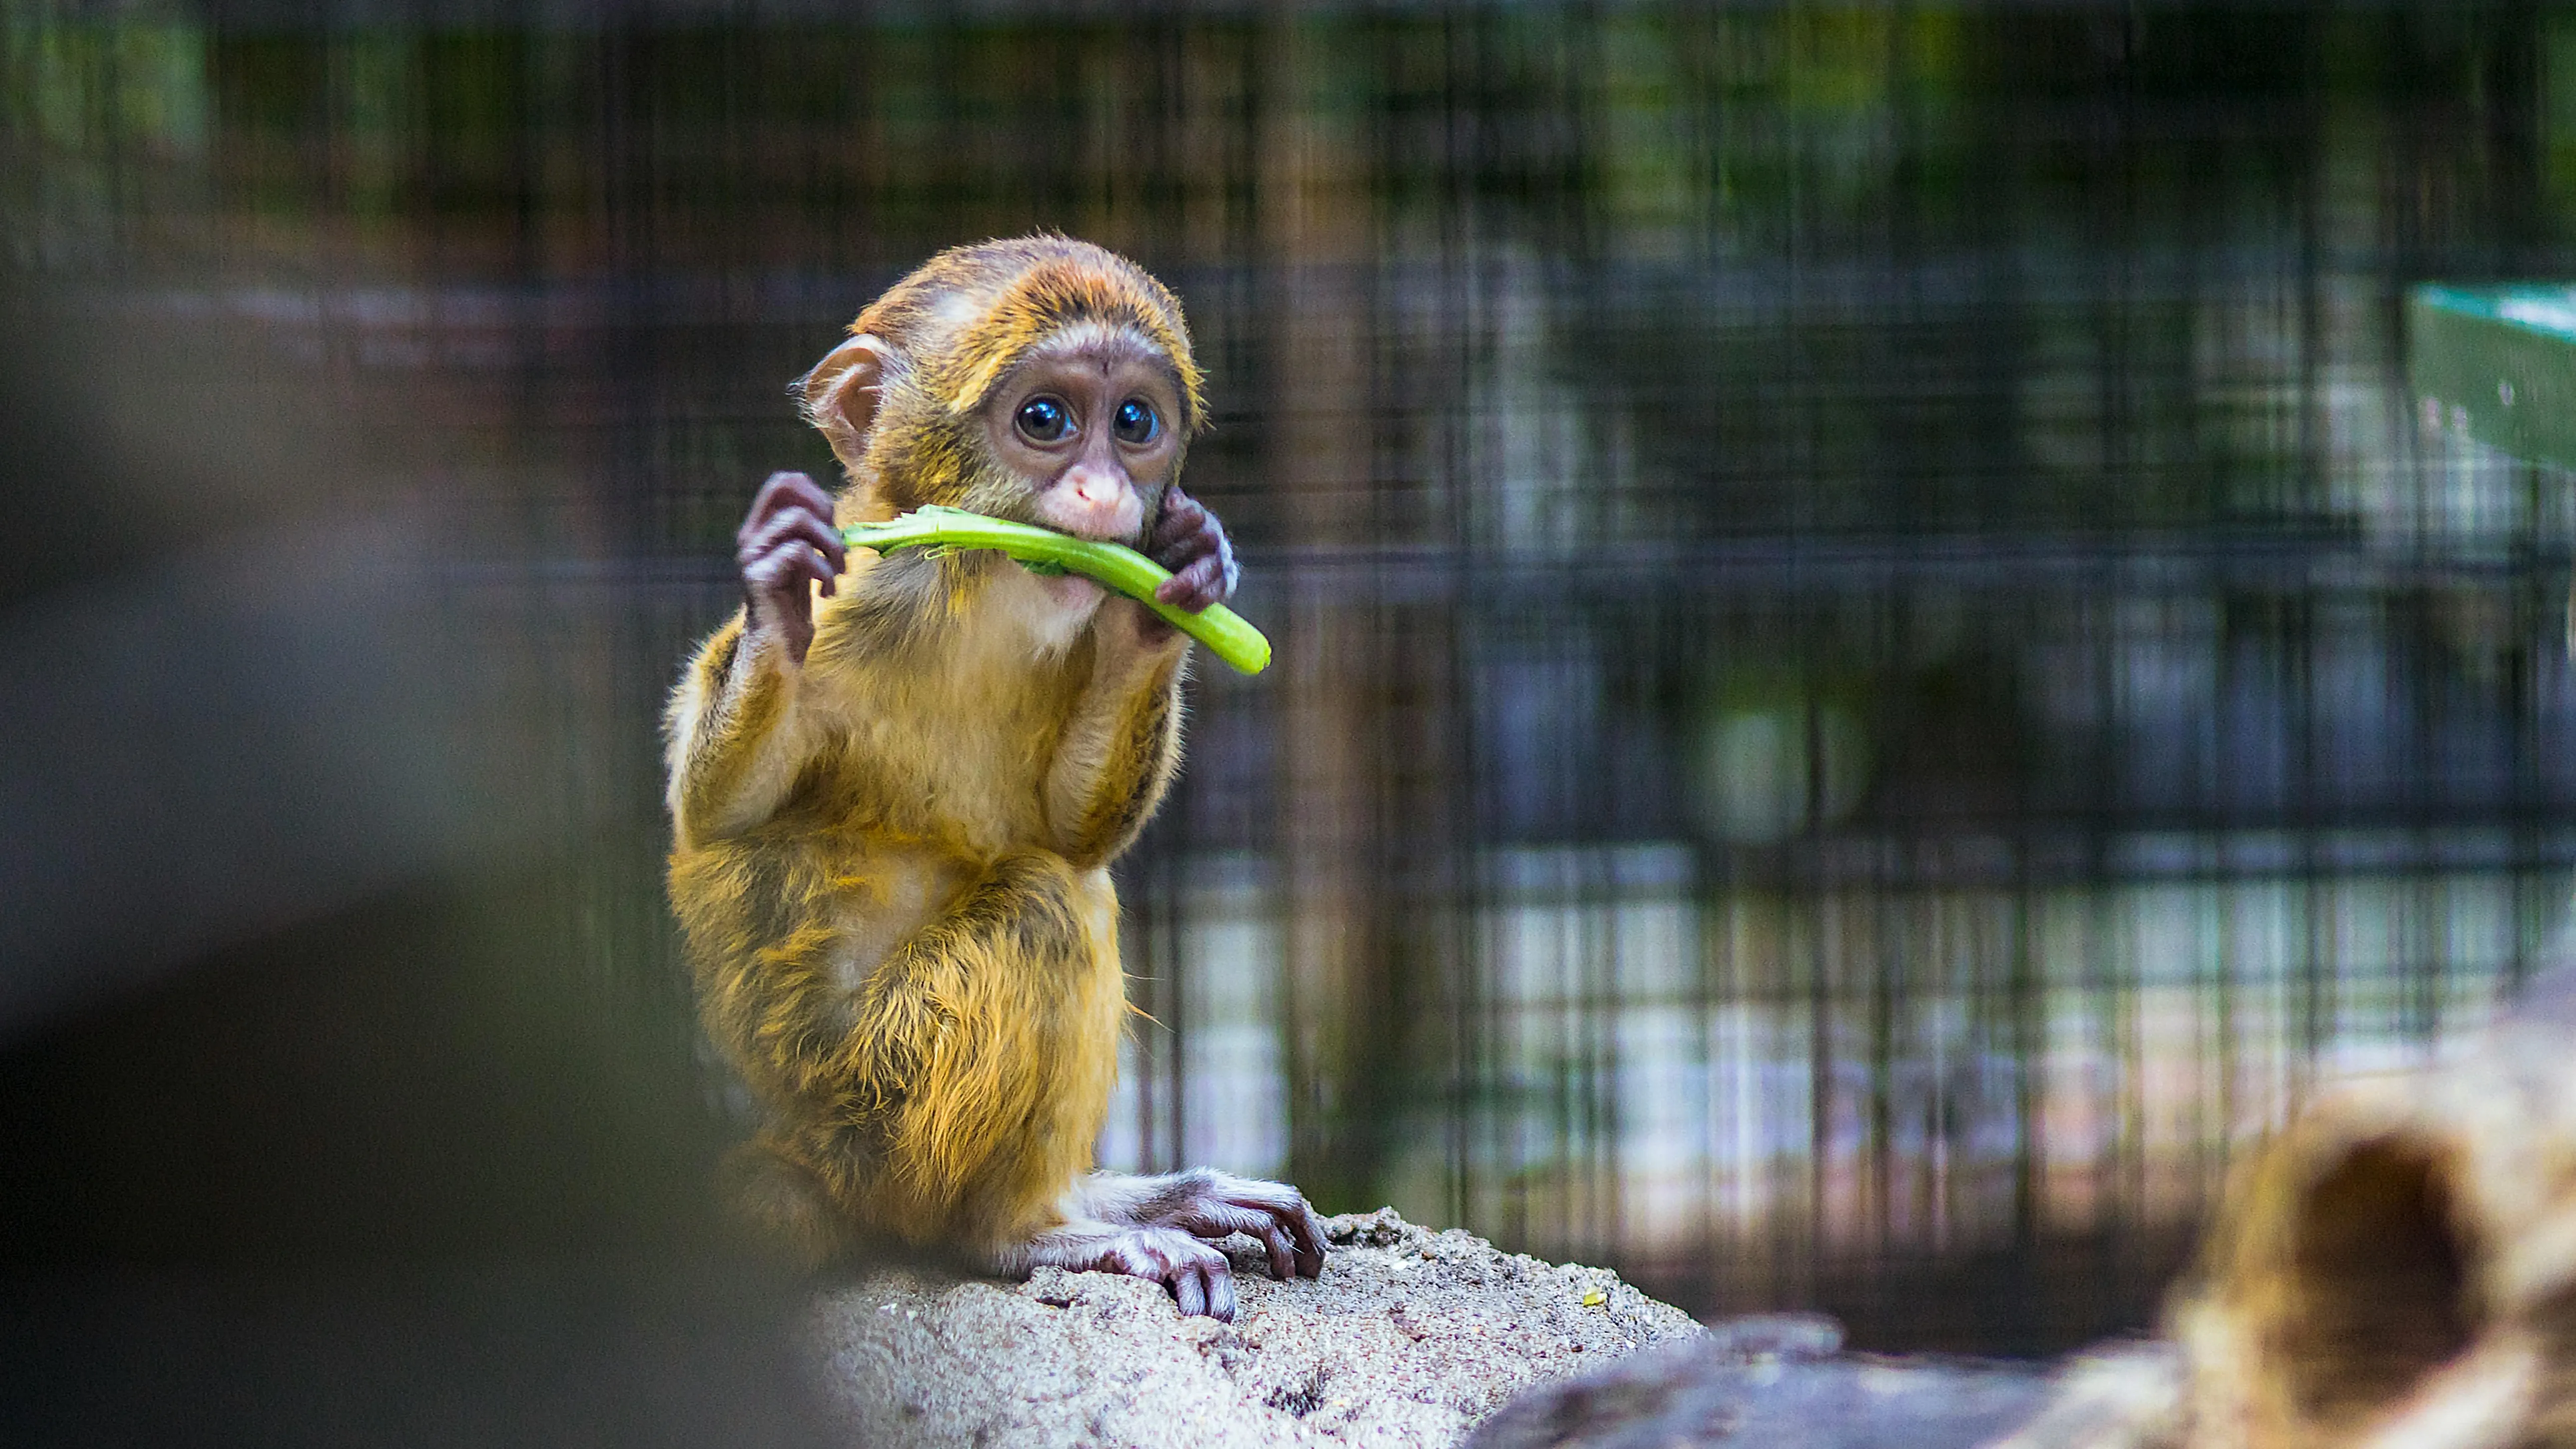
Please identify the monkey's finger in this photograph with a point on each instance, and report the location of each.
(1283, 1256)
(1220, 1291)
(1212, 556)
(795, 489)
(781, 569)
(1187, 544)
(1177, 499)
(1195, 587)
(1309, 1232)
(773, 575)
(780, 490)
(1284, 1212)
(800, 561)
(805, 525)
(1182, 517)
(781, 578)
(1220, 1219)
(827, 573)
(1189, 1290)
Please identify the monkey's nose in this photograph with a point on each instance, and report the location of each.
(1099, 504)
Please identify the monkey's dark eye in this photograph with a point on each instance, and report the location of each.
(1042, 419)
(1135, 422)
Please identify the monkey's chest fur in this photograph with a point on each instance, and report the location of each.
(925, 997)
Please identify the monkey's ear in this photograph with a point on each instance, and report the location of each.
(840, 394)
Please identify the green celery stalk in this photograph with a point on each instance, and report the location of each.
(1222, 630)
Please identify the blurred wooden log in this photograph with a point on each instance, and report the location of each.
(2395, 1270)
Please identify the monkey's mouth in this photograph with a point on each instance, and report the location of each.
(1131, 538)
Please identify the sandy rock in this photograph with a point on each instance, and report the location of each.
(1408, 1339)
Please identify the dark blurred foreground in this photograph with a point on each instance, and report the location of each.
(1877, 661)
(315, 1131)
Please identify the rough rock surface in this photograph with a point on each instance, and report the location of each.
(1409, 1338)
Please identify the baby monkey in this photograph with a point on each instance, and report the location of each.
(895, 805)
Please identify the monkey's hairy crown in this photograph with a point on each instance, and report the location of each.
(942, 529)
(973, 313)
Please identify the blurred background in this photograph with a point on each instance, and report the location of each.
(1877, 659)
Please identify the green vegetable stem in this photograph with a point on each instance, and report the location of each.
(1043, 550)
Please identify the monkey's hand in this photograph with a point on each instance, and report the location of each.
(1268, 1211)
(784, 548)
(1214, 1205)
(1188, 540)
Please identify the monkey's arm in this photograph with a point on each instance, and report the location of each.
(734, 726)
(736, 734)
(1122, 741)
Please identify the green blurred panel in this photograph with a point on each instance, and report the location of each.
(2502, 361)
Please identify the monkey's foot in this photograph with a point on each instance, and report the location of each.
(1214, 1205)
(1196, 1275)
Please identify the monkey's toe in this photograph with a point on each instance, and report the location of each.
(1196, 1275)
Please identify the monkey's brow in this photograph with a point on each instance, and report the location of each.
(1105, 342)
(1037, 370)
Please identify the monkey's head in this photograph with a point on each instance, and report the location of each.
(1040, 379)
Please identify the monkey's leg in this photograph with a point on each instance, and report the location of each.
(953, 1095)
(780, 1197)
(1214, 1205)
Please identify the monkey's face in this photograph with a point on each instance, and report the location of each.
(1088, 429)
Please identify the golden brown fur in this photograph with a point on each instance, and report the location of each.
(913, 1098)
(890, 860)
